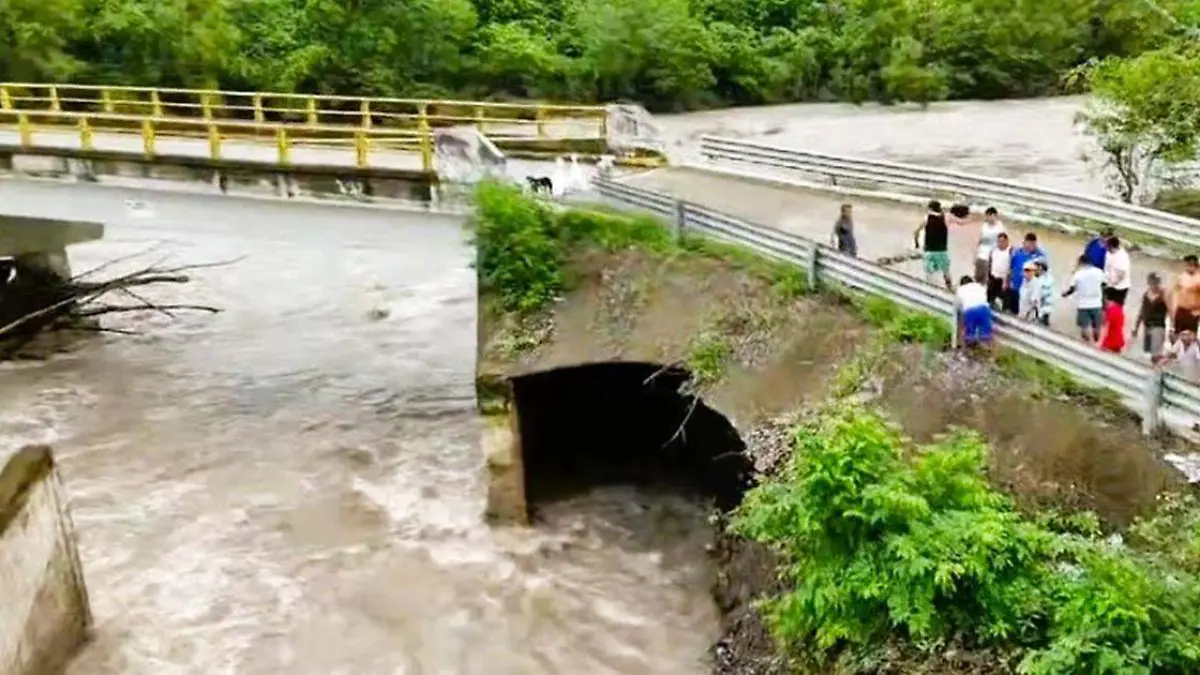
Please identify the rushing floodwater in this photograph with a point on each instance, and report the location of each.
(294, 485)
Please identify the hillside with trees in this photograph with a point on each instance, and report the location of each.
(667, 54)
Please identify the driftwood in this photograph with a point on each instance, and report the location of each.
(35, 302)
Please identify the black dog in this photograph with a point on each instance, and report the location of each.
(540, 184)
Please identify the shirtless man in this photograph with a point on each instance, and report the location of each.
(1185, 297)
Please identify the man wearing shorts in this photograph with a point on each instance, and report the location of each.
(975, 314)
(1087, 285)
(937, 240)
(1185, 297)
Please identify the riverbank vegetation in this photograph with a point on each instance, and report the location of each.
(1061, 546)
(884, 539)
(668, 55)
(1145, 119)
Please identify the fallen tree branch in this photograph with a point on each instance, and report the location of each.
(35, 301)
(115, 309)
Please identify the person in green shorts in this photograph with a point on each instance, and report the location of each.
(936, 235)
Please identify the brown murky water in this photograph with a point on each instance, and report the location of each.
(292, 486)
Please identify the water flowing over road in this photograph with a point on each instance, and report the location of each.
(294, 485)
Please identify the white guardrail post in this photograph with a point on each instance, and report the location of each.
(1152, 400)
(1145, 390)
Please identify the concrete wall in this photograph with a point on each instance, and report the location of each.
(44, 612)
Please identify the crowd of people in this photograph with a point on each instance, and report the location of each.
(1017, 280)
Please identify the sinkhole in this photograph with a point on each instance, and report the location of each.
(611, 423)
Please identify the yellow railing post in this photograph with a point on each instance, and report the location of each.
(604, 124)
(312, 111)
(479, 124)
(362, 148)
(259, 115)
(206, 106)
(25, 130)
(423, 117)
(148, 138)
(214, 142)
(106, 100)
(366, 114)
(541, 122)
(85, 134)
(5, 99)
(55, 106)
(156, 104)
(426, 142)
(284, 145)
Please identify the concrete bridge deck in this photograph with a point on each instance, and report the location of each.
(883, 227)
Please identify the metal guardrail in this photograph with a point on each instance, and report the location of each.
(1139, 219)
(359, 125)
(1150, 392)
(311, 109)
(82, 128)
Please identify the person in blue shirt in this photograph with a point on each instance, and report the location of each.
(1096, 250)
(1029, 252)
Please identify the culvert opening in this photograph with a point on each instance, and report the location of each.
(609, 423)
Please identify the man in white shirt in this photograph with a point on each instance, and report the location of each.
(1117, 271)
(1185, 354)
(1087, 285)
(999, 264)
(989, 232)
(974, 313)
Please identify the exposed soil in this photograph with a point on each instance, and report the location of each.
(782, 353)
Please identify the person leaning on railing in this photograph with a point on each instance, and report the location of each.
(974, 313)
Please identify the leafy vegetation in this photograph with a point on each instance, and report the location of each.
(669, 54)
(1145, 115)
(883, 538)
(523, 246)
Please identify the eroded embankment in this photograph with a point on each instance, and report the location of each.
(762, 353)
(44, 611)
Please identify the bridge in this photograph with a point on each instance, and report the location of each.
(299, 133)
(266, 133)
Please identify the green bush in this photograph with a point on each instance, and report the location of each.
(1173, 532)
(886, 538)
(903, 325)
(523, 243)
(520, 252)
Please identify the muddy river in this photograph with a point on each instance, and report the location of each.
(293, 485)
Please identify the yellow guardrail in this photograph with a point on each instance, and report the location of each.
(285, 138)
(284, 120)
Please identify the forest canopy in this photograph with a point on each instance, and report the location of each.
(665, 54)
